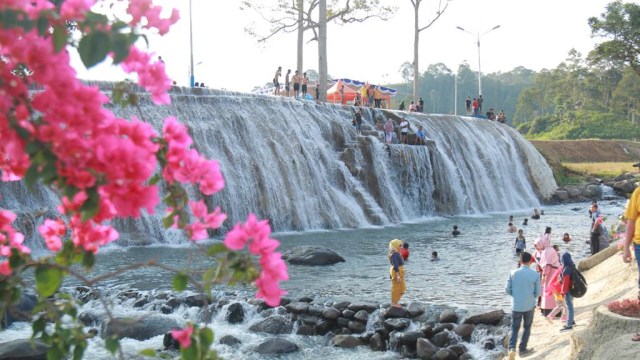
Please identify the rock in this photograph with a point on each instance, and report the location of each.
(624, 186)
(448, 316)
(464, 331)
(442, 327)
(377, 343)
(446, 354)
(425, 349)
(361, 316)
(562, 195)
(311, 255)
(345, 341)
(229, 340)
(88, 318)
(20, 311)
(593, 191)
(489, 318)
(297, 307)
(397, 324)
(235, 313)
(395, 312)
(276, 346)
(427, 330)
(348, 314)
(197, 300)
(306, 319)
(343, 322)
(331, 313)
(408, 352)
(458, 349)
(305, 299)
(144, 328)
(316, 310)
(174, 302)
(367, 306)
(166, 309)
(489, 344)
(415, 309)
(411, 337)
(272, 325)
(323, 327)
(342, 305)
(169, 342)
(140, 303)
(441, 339)
(23, 349)
(573, 191)
(305, 330)
(356, 327)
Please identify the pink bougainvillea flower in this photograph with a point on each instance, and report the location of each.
(183, 337)
(51, 231)
(5, 269)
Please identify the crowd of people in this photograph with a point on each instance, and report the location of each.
(295, 85)
(474, 108)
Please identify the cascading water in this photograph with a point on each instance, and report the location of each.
(300, 165)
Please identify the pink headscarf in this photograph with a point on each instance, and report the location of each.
(548, 255)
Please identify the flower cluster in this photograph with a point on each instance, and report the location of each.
(204, 220)
(258, 235)
(9, 239)
(625, 307)
(142, 10)
(183, 337)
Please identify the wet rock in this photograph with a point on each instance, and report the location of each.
(342, 305)
(415, 309)
(489, 344)
(23, 349)
(306, 319)
(367, 306)
(348, 314)
(593, 191)
(407, 352)
(410, 338)
(235, 313)
(464, 331)
(166, 309)
(305, 299)
(377, 343)
(345, 341)
(356, 327)
(458, 349)
(140, 303)
(446, 354)
(395, 312)
(276, 346)
(361, 316)
(427, 330)
(139, 329)
(20, 311)
(197, 300)
(169, 342)
(397, 324)
(448, 316)
(364, 338)
(323, 327)
(229, 340)
(562, 195)
(343, 322)
(305, 330)
(311, 255)
(163, 295)
(174, 302)
(88, 318)
(297, 307)
(316, 310)
(425, 349)
(624, 186)
(442, 327)
(331, 313)
(441, 339)
(489, 318)
(272, 325)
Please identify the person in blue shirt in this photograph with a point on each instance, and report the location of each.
(524, 287)
(420, 136)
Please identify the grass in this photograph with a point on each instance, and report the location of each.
(601, 169)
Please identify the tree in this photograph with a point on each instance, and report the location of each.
(292, 15)
(442, 6)
(621, 24)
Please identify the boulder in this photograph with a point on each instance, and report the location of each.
(276, 346)
(166, 309)
(197, 300)
(427, 330)
(395, 312)
(573, 191)
(88, 318)
(446, 354)
(345, 341)
(377, 343)
(272, 325)
(489, 318)
(235, 313)
(143, 328)
(331, 313)
(169, 342)
(311, 255)
(20, 311)
(448, 316)
(361, 316)
(562, 195)
(407, 352)
(489, 344)
(305, 330)
(342, 305)
(316, 310)
(397, 324)
(348, 314)
(442, 327)
(464, 331)
(441, 339)
(356, 327)
(305, 299)
(323, 327)
(624, 186)
(593, 191)
(415, 309)
(24, 349)
(229, 340)
(297, 307)
(459, 349)
(411, 337)
(306, 319)
(425, 349)
(367, 306)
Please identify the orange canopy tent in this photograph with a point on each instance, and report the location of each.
(333, 94)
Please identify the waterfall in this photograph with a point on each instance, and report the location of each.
(300, 165)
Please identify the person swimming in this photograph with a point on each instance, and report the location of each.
(455, 231)
(566, 238)
(536, 214)
(525, 222)
(434, 256)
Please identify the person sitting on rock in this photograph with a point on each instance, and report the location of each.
(455, 231)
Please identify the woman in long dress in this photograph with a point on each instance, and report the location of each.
(549, 263)
(396, 272)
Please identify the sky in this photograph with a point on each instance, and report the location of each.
(534, 34)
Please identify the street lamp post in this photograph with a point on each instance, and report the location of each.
(192, 80)
(478, 37)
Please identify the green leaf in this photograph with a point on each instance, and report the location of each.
(31, 177)
(167, 221)
(91, 206)
(121, 45)
(154, 179)
(111, 343)
(94, 47)
(148, 353)
(78, 351)
(43, 25)
(216, 249)
(55, 353)
(206, 337)
(38, 326)
(180, 281)
(49, 173)
(190, 353)
(9, 19)
(88, 259)
(60, 36)
(33, 147)
(48, 280)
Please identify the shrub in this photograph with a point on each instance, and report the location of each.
(625, 307)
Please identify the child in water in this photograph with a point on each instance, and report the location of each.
(520, 244)
(404, 251)
(566, 238)
(434, 256)
(512, 228)
(455, 231)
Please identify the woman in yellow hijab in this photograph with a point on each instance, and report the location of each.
(396, 271)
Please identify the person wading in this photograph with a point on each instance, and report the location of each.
(396, 272)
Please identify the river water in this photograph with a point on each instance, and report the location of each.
(470, 275)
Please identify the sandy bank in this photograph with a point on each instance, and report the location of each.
(610, 280)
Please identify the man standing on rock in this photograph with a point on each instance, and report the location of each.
(524, 287)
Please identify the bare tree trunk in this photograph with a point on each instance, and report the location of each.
(322, 50)
(416, 50)
(300, 36)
